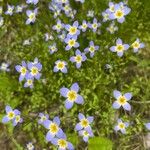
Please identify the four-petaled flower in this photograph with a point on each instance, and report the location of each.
(60, 65)
(119, 48)
(30, 146)
(34, 68)
(122, 100)
(86, 134)
(119, 12)
(73, 30)
(31, 15)
(23, 70)
(84, 26)
(71, 42)
(52, 48)
(53, 127)
(79, 58)
(62, 143)
(71, 95)
(94, 25)
(92, 48)
(137, 45)
(121, 126)
(59, 26)
(84, 122)
(43, 117)
(9, 10)
(12, 115)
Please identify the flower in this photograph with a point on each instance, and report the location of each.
(60, 65)
(71, 95)
(62, 36)
(17, 119)
(52, 48)
(79, 58)
(48, 37)
(9, 10)
(92, 48)
(122, 100)
(86, 134)
(105, 15)
(32, 1)
(120, 11)
(84, 122)
(59, 26)
(71, 42)
(94, 25)
(112, 28)
(84, 26)
(34, 68)
(54, 129)
(62, 143)
(73, 30)
(23, 70)
(43, 117)
(29, 81)
(137, 45)
(11, 115)
(30, 146)
(4, 67)
(119, 48)
(19, 8)
(147, 125)
(90, 13)
(121, 126)
(31, 15)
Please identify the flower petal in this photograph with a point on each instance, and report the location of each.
(128, 96)
(79, 100)
(127, 106)
(116, 105)
(68, 104)
(75, 87)
(64, 91)
(117, 94)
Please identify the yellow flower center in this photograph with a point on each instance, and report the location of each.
(32, 16)
(71, 43)
(92, 49)
(84, 26)
(72, 95)
(58, 26)
(23, 70)
(84, 123)
(53, 128)
(29, 81)
(78, 58)
(119, 14)
(85, 133)
(120, 47)
(121, 125)
(136, 45)
(43, 118)
(94, 25)
(122, 100)
(72, 30)
(34, 70)
(60, 65)
(11, 115)
(62, 143)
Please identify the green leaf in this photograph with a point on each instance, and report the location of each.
(100, 143)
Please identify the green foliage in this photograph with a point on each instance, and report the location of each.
(127, 74)
(100, 143)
